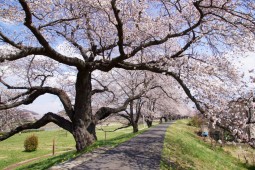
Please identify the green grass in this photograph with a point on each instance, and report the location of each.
(183, 149)
(12, 150)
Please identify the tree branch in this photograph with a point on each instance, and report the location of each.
(9, 41)
(153, 42)
(47, 118)
(104, 112)
(167, 37)
(99, 90)
(131, 66)
(52, 23)
(23, 53)
(36, 91)
(125, 116)
(119, 27)
(28, 100)
(76, 44)
(123, 127)
(50, 52)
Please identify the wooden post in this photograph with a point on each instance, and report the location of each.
(53, 147)
(104, 137)
(246, 159)
(253, 160)
(223, 137)
(211, 142)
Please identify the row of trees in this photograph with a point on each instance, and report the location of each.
(58, 47)
(157, 101)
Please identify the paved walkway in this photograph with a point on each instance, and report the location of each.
(142, 152)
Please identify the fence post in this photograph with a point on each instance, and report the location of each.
(104, 137)
(53, 147)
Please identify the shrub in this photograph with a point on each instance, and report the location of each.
(228, 136)
(196, 121)
(31, 143)
(2, 133)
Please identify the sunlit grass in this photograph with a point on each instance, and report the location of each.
(183, 149)
(12, 150)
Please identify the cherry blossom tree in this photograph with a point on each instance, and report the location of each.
(166, 37)
(162, 101)
(130, 83)
(237, 117)
(160, 96)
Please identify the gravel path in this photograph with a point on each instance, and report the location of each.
(142, 152)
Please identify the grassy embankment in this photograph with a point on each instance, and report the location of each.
(12, 150)
(183, 150)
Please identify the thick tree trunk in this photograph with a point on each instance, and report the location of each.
(92, 129)
(135, 127)
(149, 123)
(82, 137)
(133, 122)
(83, 129)
(161, 119)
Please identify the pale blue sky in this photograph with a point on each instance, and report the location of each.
(44, 104)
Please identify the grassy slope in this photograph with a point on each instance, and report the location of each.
(12, 150)
(184, 150)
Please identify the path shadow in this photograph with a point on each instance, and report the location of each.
(141, 152)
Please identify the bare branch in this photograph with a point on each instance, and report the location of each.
(125, 116)
(123, 127)
(104, 112)
(26, 51)
(28, 100)
(52, 23)
(186, 46)
(71, 40)
(99, 90)
(36, 91)
(23, 53)
(47, 118)
(119, 27)
(9, 41)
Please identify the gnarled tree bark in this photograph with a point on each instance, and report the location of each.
(82, 117)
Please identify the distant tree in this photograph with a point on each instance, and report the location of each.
(15, 117)
(157, 96)
(130, 83)
(149, 111)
